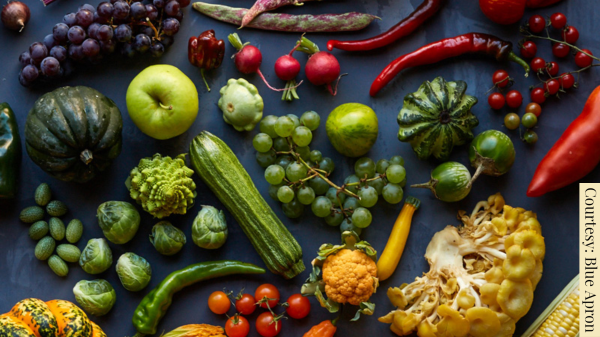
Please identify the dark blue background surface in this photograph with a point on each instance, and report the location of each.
(22, 275)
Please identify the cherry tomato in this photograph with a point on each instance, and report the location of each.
(528, 49)
(560, 50)
(567, 80)
(552, 86)
(245, 304)
(537, 23)
(266, 326)
(530, 137)
(570, 35)
(582, 60)
(268, 291)
(538, 65)
(558, 20)
(533, 108)
(298, 306)
(538, 95)
(529, 120)
(219, 303)
(496, 101)
(514, 99)
(511, 121)
(552, 68)
(500, 78)
(237, 326)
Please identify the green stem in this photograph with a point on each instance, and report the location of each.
(307, 46)
(514, 58)
(235, 41)
(202, 72)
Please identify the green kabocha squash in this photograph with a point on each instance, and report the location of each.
(73, 133)
(436, 118)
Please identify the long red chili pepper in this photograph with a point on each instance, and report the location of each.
(403, 28)
(540, 3)
(471, 43)
(575, 154)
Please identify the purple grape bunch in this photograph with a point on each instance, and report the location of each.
(92, 33)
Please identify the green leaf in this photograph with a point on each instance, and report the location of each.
(365, 308)
(367, 249)
(328, 304)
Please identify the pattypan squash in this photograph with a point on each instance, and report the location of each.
(241, 104)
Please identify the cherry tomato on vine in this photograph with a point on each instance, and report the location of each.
(245, 304)
(582, 60)
(567, 80)
(266, 325)
(530, 137)
(528, 49)
(219, 303)
(496, 101)
(500, 78)
(268, 291)
(529, 120)
(560, 50)
(298, 306)
(570, 35)
(514, 99)
(538, 95)
(533, 108)
(537, 24)
(552, 68)
(512, 121)
(538, 65)
(237, 326)
(552, 87)
(558, 20)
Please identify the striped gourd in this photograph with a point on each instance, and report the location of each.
(436, 118)
(561, 318)
(220, 169)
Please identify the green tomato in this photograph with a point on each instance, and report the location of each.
(241, 104)
(352, 129)
(492, 153)
(529, 120)
(530, 137)
(511, 121)
(450, 182)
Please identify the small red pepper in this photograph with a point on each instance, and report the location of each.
(206, 52)
(540, 3)
(575, 154)
(403, 28)
(323, 329)
(471, 43)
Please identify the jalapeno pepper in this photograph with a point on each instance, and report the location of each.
(10, 152)
(206, 52)
(471, 43)
(155, 305)
(403, 28)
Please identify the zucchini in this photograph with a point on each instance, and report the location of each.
(220, 169)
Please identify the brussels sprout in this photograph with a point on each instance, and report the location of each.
(96, 297)
(209, 230)
(118, 220)
(166, 238)
(134, 271)
(96, 257)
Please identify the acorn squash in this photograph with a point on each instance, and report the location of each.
(73, 133)
(437, 117)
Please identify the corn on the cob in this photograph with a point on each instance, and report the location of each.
(561, 318)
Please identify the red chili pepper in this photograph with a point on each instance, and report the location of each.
(471, 43)
(403, 28)
(540, 3)
(206, 52)
(575, 154)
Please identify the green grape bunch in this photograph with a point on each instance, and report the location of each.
(299, 177)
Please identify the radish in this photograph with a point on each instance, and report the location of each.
(248, 59)
(287, 68)
(322, 68)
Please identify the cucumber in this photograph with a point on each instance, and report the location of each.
(56, 208)
(32, 214)
(38, 230)
(223, 173)
(74, 231)
(58, 266)
(57, 229)
(68, 252)
(42, 194)
(45, 248)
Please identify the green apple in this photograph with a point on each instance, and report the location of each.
(162, 101)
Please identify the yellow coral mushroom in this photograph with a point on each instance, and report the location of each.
(484, 322)
(348, 277)
(515, 298)
(519, 263)
(453, 324)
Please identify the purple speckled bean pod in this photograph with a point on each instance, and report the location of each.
(286, 22)
(261, 6)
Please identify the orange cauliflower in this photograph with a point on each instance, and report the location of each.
(348, 276)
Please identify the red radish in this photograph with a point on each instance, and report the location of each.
(287, 68)
(15, 15)
(322, 68)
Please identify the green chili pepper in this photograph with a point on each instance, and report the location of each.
(10, 152)
(155, 305)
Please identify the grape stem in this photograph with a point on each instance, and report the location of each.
(156, 35)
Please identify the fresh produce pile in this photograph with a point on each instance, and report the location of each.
(483, 272)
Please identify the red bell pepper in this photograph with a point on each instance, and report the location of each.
(575, 154)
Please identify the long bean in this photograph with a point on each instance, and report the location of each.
(261, 6)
